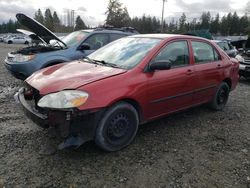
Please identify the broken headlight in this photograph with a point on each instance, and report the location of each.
(63, 99)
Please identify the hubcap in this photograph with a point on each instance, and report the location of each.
(118, 126)
(222, 97)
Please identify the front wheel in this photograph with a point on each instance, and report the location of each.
(118, 127)
(221, 96)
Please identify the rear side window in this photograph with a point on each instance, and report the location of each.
(176, 52)
(204, 53)
(115, 36)
(97, 41)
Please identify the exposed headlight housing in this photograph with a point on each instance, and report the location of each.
(23, 58)
(63, 99)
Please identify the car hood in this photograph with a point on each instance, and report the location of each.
(37, 28)
(69, 76)
(32, 35)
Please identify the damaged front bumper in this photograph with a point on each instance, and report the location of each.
(75, 126)
(37, 117)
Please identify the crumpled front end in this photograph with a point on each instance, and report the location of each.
(74, 126)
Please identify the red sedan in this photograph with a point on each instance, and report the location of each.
(136, 79)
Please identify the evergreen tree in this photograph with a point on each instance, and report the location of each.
(56, 22)
(244, 24)
(215, 25)
(224, 26)
(39, 16)
(234, 25)
(205, 20)
(79, 24)
(117, 16)
(48, 20)
(182, 23)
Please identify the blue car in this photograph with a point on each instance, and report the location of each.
(47, 49)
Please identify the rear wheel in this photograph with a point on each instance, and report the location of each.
(26, 42)
(118, 127)
(10, 42)
(221, 96)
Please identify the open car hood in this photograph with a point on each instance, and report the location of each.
(32, 35)
(38, 29)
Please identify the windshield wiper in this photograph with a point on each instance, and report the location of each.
(89, 60)
(106, 63)
(100, 62)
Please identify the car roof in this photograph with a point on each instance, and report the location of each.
(164, 36)
(106, 31)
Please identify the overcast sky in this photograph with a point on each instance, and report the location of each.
(92, 11)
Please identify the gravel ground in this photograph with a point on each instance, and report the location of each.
(195, 148)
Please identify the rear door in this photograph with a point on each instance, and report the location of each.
(171, 90)
(208, 68)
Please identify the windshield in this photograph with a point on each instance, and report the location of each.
(126, 52)
(74, 38)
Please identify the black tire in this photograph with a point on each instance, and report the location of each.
(117, 127)
(221, 96)
(10, 42)
(26, 42)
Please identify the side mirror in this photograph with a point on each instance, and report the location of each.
(160, 65)
(84, 46)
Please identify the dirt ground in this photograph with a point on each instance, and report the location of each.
(195, 148)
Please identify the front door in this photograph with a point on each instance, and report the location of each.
(171, 90)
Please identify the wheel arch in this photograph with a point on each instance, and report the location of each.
(132, 102)
(229, 82)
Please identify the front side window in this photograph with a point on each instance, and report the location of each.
(97, 41)
(176, 53)
(204, 52)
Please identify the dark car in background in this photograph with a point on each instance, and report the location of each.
(48, 49)
(245, 64)
(242, 56)
(227, 47)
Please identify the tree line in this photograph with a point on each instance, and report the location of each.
(49, 20)
(118, 16)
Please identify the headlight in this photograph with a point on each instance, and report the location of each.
(240, 58)
(23, 58)
(63, 99)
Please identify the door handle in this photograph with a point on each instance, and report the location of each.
(218, 66)
(189, 72)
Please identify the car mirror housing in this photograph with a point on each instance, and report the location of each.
(160, 65)
(84, 46)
